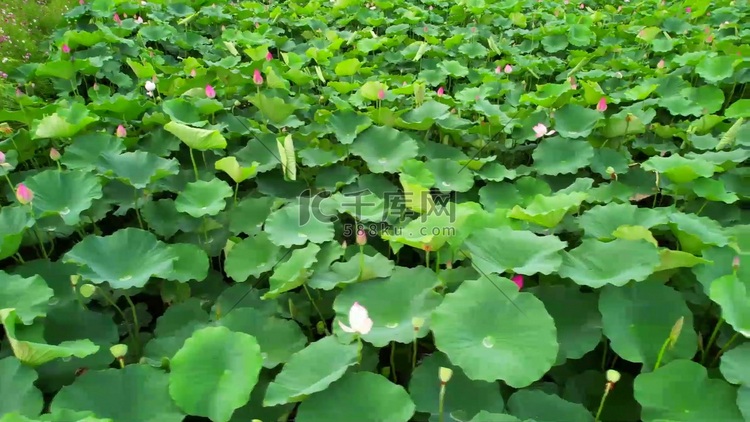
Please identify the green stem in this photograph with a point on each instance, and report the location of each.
(137, 212)
(12, 188)
(393, 361)
(20, 258)
(724, 348)
(441, 403)
(601, 404)
(195, 166)
(427, 258)
(437, 262)
(414, 353)
(136, 327)
(604, 355)
(38, 234)
(711, 340)
(661, 353)
(315, 305)
(236, 189)
(361, 262)
(117, 308)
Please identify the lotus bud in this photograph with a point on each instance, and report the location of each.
(24, 194)
(361, 237)
(119, 350)
(445, 375)
(736, 263)
(54, 154)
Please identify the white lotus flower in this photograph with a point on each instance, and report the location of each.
(359, 320)
(541, 130)
(150, 86)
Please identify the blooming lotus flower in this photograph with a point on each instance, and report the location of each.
(192, 73)
(541, 130)
(381, 94)
(138, 19)
(24, 194)
(508, 68)
(440, 92)
(54, 154)
(518, 279)
(65, 48)
(210, 91)
(269, 56)
(121, 132)
(150, 86)
(359, 320)
(2, 157)
(661, 64)
(601, 105)
(257, 77)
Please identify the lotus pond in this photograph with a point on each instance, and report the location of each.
(395, 211)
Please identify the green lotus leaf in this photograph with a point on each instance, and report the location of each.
(200, 139)
(714, 190)
(86, 150)
(233, 169)
(215, 391)
(17, 389)
(201, 198)
(485, 416)
(127, 258)
(312, 370)
(262, 150)
(275, 109)
(34, 351)
(392, 303)
(638, 319)
(548, 211)
(14, 220)
(295, 225)
(28, 296)
(678, 259)
(662, 397)
(601, 221)
(347, 67)
(461, 394)
(558, 155)
(574, 121)
(503, 249)
(424, 116)
(695, 232)
(680, 169)
(66, 194)
(449, 175)
(293, 272)
(592, 263)
(65, 123)
(357, 394)
(734, 364)
(110, 393)
(738, 109)
(731, 294)
(247, 216)
(346, 125)
(139, 168)
(384, 149)
(181, 110)
(716, 68)
(543, 407)
(341, 273)
(191, 263)
(252, 256)
(486, 332)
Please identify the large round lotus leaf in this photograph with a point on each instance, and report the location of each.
(358, 396)
(295, 225)
(592, 263)
(346, 125)
(139, 168)
(663, 395)
(249, 214)
(63, 415)
(14, 220)
(127, 258)
(735, 365)
(574, 121)
(191, 263)
(680, 169)
(558, 155)
(638, 319)
(255, 410)
(66, 194)
(461, 394)
(252, 256)
(696, 230)
(163, 218)
(578, 332)
(134, 393)
(17, 391)
(200, 139)
(278, 338)
(450, 176)
(504, 249)
(28, 296)
(548, 211)
(340, 273)
(293, 272)
(203, 198)
(312, 370)
(485, 416)
(494, 335)
(715, 68)
(392, 303)
(66, 122)
(543, 407)
(214, 372)
(731, 294)
(602, 220)
(384, 149)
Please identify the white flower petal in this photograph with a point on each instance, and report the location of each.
(346, 328)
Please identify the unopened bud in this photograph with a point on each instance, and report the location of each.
(613, 376)
(736, 263)
(54, 154)
(119, 350)
(675, 333)
(445, 374)
(361, 237)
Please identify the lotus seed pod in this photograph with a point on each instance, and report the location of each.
(445, 374)
(119, 350)
(417, 322)
(613, 376)
(74, 279)
(87, 290)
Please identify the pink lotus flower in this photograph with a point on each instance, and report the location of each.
(541, 130)
(498, 70)
(710, 39)
(661, 64)
(440, 92)
(582, 6)
(508, 68)
(95, 86)
(65, 48)
(192, 73)
(359, 320)
(54, 154)
(24, 194)
(361, 237)
(2, 157)
(257, 77)
(736, 263)
(688, 10)
(518, 279)
(601, 105)
(269, 56)
(117, 19)
(121, 132)
(138, 19)
(381, 94)
(81, 2)
(210, 91)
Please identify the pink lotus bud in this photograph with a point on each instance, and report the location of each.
(2, 157)
(736, 263)
(81, 2)
(19, 92)
(508, 68)
(269, 56)
(381, 94)
(710, 39)
(498, 70)
(121, 132)
(518, 279)
(601, 105)
(65, 48)
(117, 19)
(24, 194)
(582, 6)
(440, 92)
(661, 64)
(573, 83)
(192, 73)
(54, 154)
(257, 77)
(359, 320)
(210, 91)
(95, 86)
(688, 10)
(361, 237)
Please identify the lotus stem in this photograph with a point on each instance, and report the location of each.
(195, 166)
(711, 340)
